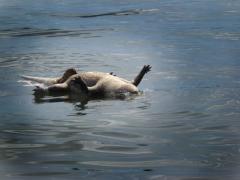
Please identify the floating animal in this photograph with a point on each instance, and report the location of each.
(92, 84)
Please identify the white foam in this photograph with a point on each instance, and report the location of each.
(30, 83)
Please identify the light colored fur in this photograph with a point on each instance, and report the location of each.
(92, 83)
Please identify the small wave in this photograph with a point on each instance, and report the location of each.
(117, 134)
(114, 13)
(27, 31)
(21, 146)
(42, 174)
(100, 147)
(7, 62)
(216, 128)
(232, 36)
(30, 83)
(5, 93)
(155, 163)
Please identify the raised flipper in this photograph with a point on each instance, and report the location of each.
(138, 78)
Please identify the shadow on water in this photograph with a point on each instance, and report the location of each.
(77, 98)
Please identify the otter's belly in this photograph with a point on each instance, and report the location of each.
(116, 85)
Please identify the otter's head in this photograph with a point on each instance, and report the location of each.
(68, 73)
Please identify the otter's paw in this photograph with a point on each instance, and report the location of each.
(147, 68)
(39, 91)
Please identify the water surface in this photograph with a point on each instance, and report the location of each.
(185, 125)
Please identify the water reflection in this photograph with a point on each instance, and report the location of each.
(77, 98)
(58, 98)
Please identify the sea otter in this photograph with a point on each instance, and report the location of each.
(89, 83)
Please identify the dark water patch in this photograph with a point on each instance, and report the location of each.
(117, 134)
(113, 13)
(4, 60)
(68, 146)
(147, 170)
(162, 177)
(216, 128)
(172, 125)
(23, 132)
(65, 162)
(117, 148)
(140, 144)
(78, 114)
(191, 114)
(21, 146)
(179, 114)
(40, 174)
(51, 32)
(104, 147)
(153, 163)
(39, 100)
(75, 169)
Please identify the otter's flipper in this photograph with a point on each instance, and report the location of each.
(50, 81)
(46, 81)
(138, 78)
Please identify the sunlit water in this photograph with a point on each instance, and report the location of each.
(185, 124)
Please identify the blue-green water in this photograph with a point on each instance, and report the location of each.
(185, 125)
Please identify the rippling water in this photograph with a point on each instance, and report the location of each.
(185, 125)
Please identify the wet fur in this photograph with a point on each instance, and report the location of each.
(89, 83)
